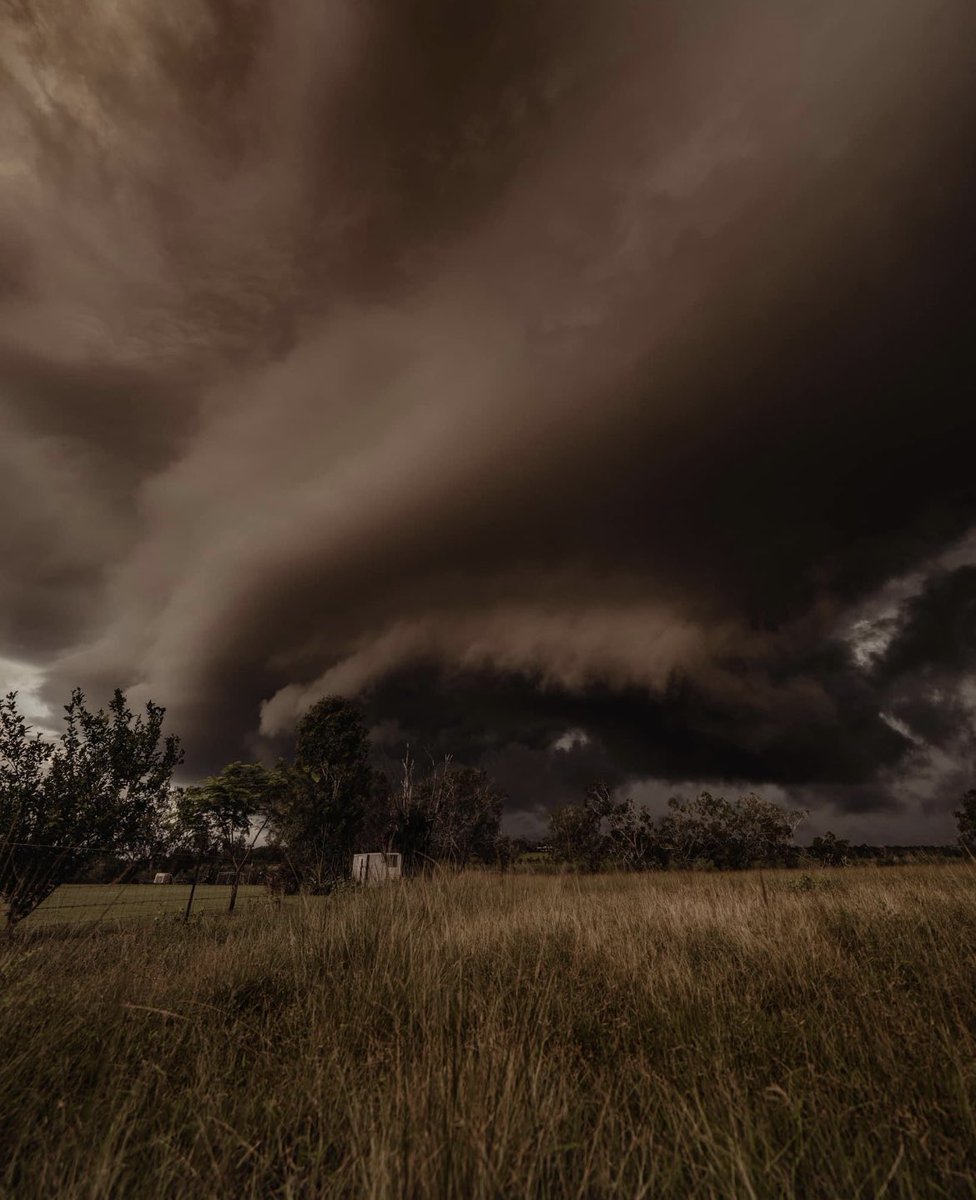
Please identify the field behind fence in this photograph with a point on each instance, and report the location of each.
(96, 885)
(83, 903)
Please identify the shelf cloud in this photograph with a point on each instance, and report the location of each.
(587, 388)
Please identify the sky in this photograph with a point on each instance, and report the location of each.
(586, 389)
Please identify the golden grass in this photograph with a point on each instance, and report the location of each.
(668, 1035)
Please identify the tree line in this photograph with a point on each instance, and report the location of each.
(605, 832)
(104, 788)
(711, 832)
(329, 802)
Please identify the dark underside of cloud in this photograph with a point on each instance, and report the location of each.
(588, 389)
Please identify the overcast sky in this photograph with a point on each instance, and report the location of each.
(587, 387)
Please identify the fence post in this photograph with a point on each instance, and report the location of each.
(193, 887)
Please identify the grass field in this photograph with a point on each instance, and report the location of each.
(81, 903)
(699, 1035)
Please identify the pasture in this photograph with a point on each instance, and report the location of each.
(82, 903)
(678, 1034)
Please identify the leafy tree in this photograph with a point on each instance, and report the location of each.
(729, 834)
(325, 796)
(604, 831)
(579, 833)
(829, 850)
(966, 821)
(576, 838)
(634, 839)
(229, 812)
(332, 802)
(450, 814)
(100, 787)
(332, 745)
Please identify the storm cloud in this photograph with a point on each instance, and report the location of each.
(587, 388)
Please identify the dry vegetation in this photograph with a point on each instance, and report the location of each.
(662, 1035)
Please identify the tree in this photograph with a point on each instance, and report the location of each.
(332, 802)
(223, 811)
(634, 840)
(332, 744)
(604, 831)
(576, 838)
(729, 834)
(100, 787)
(829, 850)
(966, 821)
(325, 796)
(579, 833)
(452, 813)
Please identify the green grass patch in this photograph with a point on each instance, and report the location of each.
(83, 903)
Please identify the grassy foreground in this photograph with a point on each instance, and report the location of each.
(670, 1035)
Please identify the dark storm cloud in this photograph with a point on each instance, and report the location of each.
(932, 651)
(937, 633)
(523, 369)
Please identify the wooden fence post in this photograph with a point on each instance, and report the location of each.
(193, 887)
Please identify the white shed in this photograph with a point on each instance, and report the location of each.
(163, 877)
(376, 868)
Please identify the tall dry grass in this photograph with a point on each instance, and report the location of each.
(670, 1035)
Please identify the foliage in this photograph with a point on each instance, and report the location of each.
(221, 811)
(332, 746)
(578, 833)
(604, 831)
(331, 802)
(966, 821)
(325, 796)
(229, 811)
(829, 850)
(102, 786)
(728, 834)
(707, 831)
(634, 841)
(450, 814)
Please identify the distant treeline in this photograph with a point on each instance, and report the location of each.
(707, 832)
(846, 853)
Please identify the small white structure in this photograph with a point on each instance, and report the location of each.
(375, 868)
(163, 877)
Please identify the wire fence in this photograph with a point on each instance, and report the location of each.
(49, 884)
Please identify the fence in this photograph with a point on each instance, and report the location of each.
(48, 885)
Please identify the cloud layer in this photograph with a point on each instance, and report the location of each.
(521, 370)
